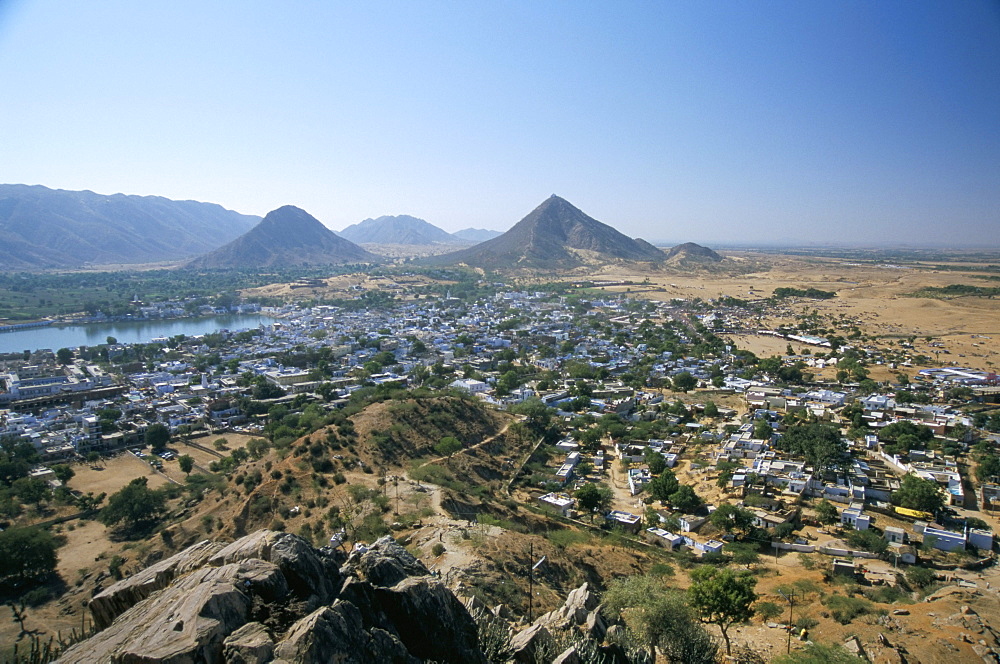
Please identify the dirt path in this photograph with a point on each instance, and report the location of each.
(484, 441)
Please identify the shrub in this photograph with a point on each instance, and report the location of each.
(768, 610)
(844, 609)
(437, 549)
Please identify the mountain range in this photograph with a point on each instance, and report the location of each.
(404, 229)
(50, 228)
(286, 236)
(401, 229)
(555, 234)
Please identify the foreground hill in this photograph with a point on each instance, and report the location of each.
(401, 229)
(50, 228)
(286, 236)
(554, 235)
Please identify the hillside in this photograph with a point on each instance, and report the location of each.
(401, 229)
(554, 235)
(691, 252)
(49, 228)
(286, 236)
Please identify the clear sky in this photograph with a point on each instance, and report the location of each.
(714, 122)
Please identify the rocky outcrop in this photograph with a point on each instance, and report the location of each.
(250, 644)
(112, 602)
(418, 606)
(272, 597)
(337, 634)
(384, 564)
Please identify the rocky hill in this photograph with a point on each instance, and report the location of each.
(401, 229)
(689, 251)
(286, 236)
(48, 228)
(555, 235)
(269, 596)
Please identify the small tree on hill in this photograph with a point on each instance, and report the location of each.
(447, 446)
(186, 464)
(684, 381)
(722, 597)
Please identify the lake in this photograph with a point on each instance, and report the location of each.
(126, 332)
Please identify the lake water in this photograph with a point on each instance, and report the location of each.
(126, 332)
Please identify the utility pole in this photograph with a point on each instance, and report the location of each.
(531, 575)
(790, 597)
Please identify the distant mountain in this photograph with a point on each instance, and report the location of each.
(476, 234)
(52, 228)
(554, 235)
(689, 251)
(286, 236)
(401, 229)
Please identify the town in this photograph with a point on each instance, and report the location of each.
(645, 419)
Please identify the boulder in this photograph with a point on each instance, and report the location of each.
(529, 641)
(568, 656)
(306, 573)
(595, 626)
(337, 634)
(418, 607)
(384, 564)
(118, 598)
(186, 621)
(250, 644)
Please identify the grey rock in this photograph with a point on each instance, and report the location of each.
(185, 622)
(304, 570)
(568, 656)
(418, 607)
(595, 626)
(528, 641)
(337, 634)
(250, 644)
(384, 564)
(118, 598)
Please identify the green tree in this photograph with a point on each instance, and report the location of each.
(919, 577)
(722, 597)
(684, 381)
(657, 464)
(157, 437)
(819, 442)
(27, 554)
(664, 486)
(762, 429)
(64, 356)
(185, 463)
(135, 506)
(826, 512)
(917, 493)
(660, 616)
(711, 410)
(685, 499)
(730, 518)
(447, 446)
(593, 498)
(64, 473)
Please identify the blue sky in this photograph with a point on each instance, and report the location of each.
(714, 122)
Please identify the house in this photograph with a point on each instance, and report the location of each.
(845, 567)
(630, 522)
(895, 535)
(566, 470)
(638, 478)
(855, 518)
(944, 540)
(560, 502)
(981, 539)
(664, 538)
(470, 385)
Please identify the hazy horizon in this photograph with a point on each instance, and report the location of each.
(781, 124)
